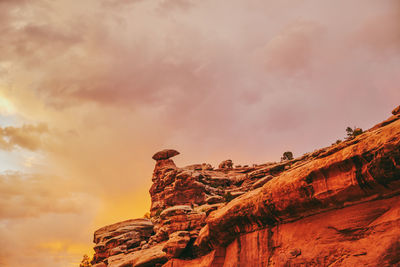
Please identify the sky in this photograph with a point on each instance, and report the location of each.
(90, 90)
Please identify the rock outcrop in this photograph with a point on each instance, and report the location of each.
(121, 238)
(337, 206)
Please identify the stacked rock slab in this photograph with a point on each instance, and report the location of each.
(336, 206)
(122, 237)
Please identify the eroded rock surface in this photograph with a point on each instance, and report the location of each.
(121, 238)
(336, 206)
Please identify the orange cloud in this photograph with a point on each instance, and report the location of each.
(39, 217)
(28, 136)
(33, 195)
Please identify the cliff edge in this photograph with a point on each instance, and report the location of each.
(337, 206)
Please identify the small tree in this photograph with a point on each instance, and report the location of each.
(351, 133)
(287, 156)
(85, 261)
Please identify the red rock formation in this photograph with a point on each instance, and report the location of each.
(337, 206)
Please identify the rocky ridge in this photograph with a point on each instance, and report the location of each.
(336, 206)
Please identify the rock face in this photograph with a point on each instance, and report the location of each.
(337, 206)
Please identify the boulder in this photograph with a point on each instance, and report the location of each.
(206, 167)
(165, 154)
(226, 164)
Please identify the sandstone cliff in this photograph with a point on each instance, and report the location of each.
(337, 206)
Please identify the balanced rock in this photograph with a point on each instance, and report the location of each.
(165, 154)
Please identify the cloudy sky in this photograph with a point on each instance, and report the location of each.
(89, 90)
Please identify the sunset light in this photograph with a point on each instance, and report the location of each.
(263, 115)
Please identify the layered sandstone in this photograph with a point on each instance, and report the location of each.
(122, 237)
(337, 206)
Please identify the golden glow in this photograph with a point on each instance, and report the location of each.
(123, 208)
(6, 106)
(60, 246)
(66, 251)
